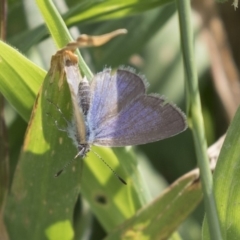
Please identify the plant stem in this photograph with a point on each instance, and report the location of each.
(196, 119)
(59, 30)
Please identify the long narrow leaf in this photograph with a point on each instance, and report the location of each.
(87, 12)
(161, 217)
(40, 206)
(226, 183)
(20, 80)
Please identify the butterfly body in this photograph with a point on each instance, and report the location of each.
(83, 96)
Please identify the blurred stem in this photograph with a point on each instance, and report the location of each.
(195, 116)
(4, 161)
(59, 31)
(3, 19)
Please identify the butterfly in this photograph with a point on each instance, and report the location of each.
(113, 110)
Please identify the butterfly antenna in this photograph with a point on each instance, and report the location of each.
(66, 165)
(115, 174)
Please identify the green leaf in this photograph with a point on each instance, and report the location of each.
(20, 79)
(227, 185)
(4, 169)
(84, 12)
(160, 218)
(40, 205)
(145, 26)
(110, 9)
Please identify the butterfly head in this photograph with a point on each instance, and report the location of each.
(83, 150)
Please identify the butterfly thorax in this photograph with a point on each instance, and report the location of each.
(84, 96)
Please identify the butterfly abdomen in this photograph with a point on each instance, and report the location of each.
(84, 95)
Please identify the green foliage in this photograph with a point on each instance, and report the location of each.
(226, 183)
(40, 206)
(19, 77)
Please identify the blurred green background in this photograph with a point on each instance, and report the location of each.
(152, 47)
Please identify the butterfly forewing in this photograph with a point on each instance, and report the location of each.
(109, 96)
(121, 114)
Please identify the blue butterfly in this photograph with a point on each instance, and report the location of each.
(115, 111)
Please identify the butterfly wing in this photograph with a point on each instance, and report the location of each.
(121, 113)
(78, 131)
